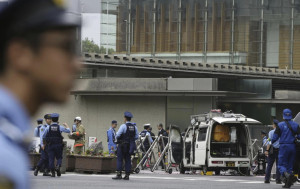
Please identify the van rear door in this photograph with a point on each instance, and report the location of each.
(176, 145)
(201, 145)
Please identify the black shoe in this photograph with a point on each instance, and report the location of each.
(52, 173)
(58, 171)
(278, 182)
(36, 171)
(126, 177)
(286, 186)
(118, 176)
(46, 174)
(267, 182)
(294, 178)
(288, 180)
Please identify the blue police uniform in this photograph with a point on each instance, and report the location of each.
(126, 137)
(74, 128)
(111, 139)
(146, 143)
(44, 160)
(54, 141)
(37, 129)
(287, 150)
(272, 157)
(14, 127)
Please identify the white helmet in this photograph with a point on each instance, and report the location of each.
(78, 118)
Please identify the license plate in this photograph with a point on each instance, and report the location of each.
(230, 164)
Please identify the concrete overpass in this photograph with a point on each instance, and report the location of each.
(201, 69)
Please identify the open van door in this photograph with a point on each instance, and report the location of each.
(201, 145)
(175, 145)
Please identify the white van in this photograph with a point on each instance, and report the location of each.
(203, 148)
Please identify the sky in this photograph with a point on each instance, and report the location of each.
(91, 27)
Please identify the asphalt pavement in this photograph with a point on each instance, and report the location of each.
(148, 180)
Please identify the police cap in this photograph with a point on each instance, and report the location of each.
(39, 120)
(55, 115)
(26, 15)
(147, 126)
(47, 116)
(128, 114)
(287, 114)
(114, 122)
(263, 132)
(275, 121)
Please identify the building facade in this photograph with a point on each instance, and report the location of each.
(249, 32)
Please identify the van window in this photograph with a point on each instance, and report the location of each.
(202, 134)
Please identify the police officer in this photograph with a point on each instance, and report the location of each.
(163, 142)
(264, 139)
(126, 137)
(37, 129)
(143, 134)
(54, 140)
(111, 137)
(147, 141)
(74, 125)
(38, 64)
(273, 156)
(287, 149)
(44, 161)
(151, 133)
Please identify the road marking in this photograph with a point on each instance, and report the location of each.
(252, 182)
(160, 177)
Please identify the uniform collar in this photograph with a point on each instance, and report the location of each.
(12, 109)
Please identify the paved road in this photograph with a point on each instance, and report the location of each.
(148, 180)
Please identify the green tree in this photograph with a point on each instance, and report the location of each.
(91, 47)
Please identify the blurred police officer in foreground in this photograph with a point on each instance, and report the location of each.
(44, 161)
(126, 137)
(111, 137)
(38, 64)
(272, 154)
(54, 141)
(287, 150)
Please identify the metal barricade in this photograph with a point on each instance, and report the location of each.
(159, 148)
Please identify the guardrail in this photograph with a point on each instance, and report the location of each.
(186, 66)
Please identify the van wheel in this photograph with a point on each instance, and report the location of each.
(217, 172)
(170, 171)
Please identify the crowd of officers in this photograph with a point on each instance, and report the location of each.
(121, 143)
(51, 142)
(280, 146)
